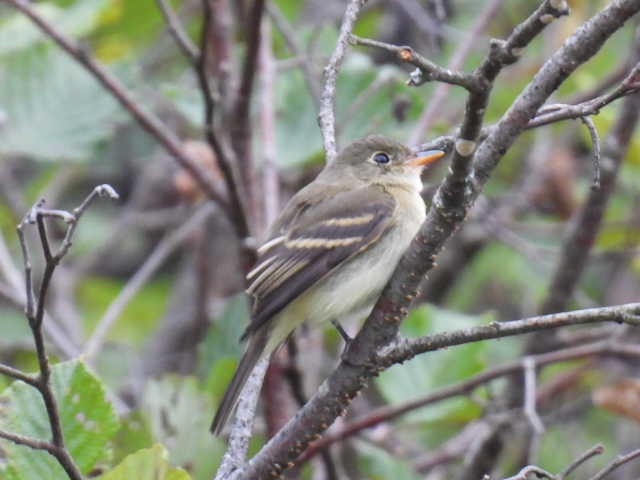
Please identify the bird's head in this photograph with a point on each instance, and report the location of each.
(377, 159)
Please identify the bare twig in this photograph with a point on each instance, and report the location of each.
(270, 181)
(177, 31)
(327, 114)
(224, 158)
(17, 375)
(427, 71)
(592, 452)
(531, 470)
(404, 349)
(530, 411)
(595, 141)
(242, 423)
(465, 387)
(618, 462)
(439, 96)
(164, 248)
(34, 311)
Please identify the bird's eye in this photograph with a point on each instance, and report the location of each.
(381, 158)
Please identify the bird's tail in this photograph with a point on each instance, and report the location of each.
(252, 355)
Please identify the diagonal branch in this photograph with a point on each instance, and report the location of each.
(382, 326)
(177, 31)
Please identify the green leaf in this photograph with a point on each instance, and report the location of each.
(148, 464)
(179, 414)
(18, 32)
(377, 464)
(431, 370)
(88, 422)
(223, 338)
(53, 109)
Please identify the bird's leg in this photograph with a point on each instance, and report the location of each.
(345, 336)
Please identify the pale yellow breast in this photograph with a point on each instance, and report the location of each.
(352, 289)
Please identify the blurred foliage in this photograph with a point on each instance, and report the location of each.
(55, 119)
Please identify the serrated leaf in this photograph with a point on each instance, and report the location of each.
(88, 422)
(148, 464)
(53, 109)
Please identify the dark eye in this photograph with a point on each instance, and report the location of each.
(381, 158)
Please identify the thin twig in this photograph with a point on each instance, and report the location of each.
(241, 424)
(439, 96)
(530, 411)
(592, 452)
(35, 314)
(465, 387)
(177, 31)
(618, 462)
(427, 70)
(17, 375)
(327, 114)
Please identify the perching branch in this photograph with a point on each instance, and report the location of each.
(34, 312)
(442, 220)
(466, 387)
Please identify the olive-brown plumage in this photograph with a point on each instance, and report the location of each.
(332, 249)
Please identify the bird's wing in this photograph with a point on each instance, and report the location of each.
(302, 252)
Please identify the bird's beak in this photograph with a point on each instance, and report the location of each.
(424, 158)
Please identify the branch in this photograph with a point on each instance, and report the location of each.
(427, 70)
(439, 96)
(381, 328)
(466, 387)
(35, 315)
(177, 32)
(149, 122)
(585, 225)
(242, 422)
(237, 209)
(327, 114)
(404, 349)
(618, 462)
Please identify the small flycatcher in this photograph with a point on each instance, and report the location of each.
(333, 249)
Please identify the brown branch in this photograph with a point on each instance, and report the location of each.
(391, 412)
(427, 70)
(18, 375)
(327, 114)
(34, 312)
(236, 208)
(149, 122)
(442, 220)
(439, 96)
(177, 32)
(240, 126)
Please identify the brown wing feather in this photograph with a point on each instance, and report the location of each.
(305, 251)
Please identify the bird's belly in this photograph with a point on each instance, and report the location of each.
(350, 292)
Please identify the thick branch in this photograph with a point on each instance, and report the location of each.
(382, 326)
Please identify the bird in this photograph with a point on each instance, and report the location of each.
(332, 249)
